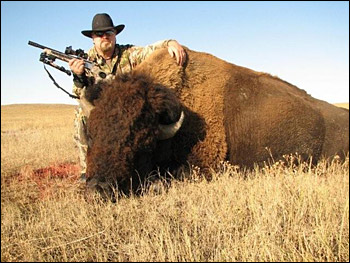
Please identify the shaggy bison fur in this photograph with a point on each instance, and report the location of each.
(231, 113)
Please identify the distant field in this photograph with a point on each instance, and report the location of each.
(279, 212)
(343, 105)
(36, 134)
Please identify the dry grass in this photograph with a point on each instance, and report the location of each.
(342, 105)
(36, 135)
(275, 213)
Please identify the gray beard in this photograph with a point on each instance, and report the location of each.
(106, 46)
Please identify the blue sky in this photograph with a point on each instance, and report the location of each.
(304, 43)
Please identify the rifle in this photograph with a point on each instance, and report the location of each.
(49, 55)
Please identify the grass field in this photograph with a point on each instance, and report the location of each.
(279, 212)
(343, 105)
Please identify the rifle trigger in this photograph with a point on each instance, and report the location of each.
(88, 65)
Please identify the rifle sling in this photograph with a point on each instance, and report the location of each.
(58, 86)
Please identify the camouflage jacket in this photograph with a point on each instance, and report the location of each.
(125, 58)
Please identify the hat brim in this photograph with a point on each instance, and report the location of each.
(118, 29)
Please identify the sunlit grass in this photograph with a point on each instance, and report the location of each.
(342, 105)
(36, 135)
(279, 212)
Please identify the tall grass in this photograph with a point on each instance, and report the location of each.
(279, 212)
(36, 135)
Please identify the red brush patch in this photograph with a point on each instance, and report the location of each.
(62, 171)
(50, 179)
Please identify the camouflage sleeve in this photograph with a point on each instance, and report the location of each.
(76, 90)
(138, 54)
(79, 82)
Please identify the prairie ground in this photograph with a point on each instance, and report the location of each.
(279, 212)
(342, 105)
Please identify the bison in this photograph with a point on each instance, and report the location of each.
(214, 110)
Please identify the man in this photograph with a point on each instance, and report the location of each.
(111, 58)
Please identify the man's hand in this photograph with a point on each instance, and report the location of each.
(77, 66)
(174, 48)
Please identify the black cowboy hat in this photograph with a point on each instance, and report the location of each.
(102, 22)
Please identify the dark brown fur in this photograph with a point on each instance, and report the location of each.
(231, 112)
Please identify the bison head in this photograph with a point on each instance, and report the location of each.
(128, 122)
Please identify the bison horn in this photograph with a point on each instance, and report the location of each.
(169, 131)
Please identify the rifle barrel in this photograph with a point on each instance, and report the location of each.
(36, 44)
(41, 46)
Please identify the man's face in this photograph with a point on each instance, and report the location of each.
(104, 40)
